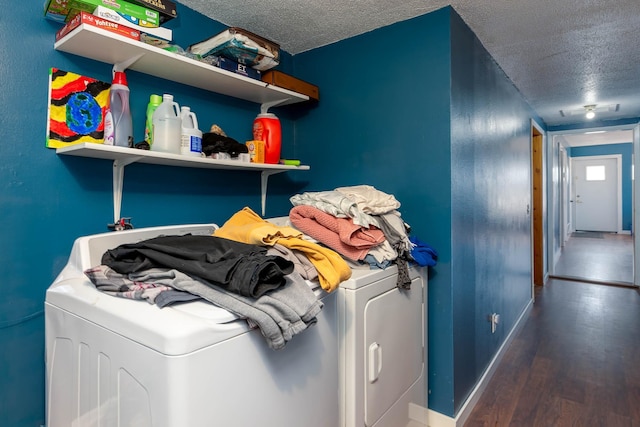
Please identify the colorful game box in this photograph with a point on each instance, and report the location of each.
(65, 10)
(166, 8)
(87, 18)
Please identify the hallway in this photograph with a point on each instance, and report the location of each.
(597, 257)
(573, 363)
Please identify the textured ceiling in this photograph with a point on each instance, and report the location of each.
(560, 54)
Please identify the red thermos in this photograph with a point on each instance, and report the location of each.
(266, 127)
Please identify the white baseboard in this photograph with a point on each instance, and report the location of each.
(432, 418)
(418, 413)
(429, 418)
(556, 258)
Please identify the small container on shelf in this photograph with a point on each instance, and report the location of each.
(256, 151)
(191, 136)
(266, 127)
(167, 126)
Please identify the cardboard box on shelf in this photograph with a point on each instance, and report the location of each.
(231, 65)
(56, 10)
(65, 10)
(115, 16)
(87, 18)
(256, 151)
(166, 8)
(280, 79)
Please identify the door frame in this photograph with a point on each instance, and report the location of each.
(618, 159)
(564, 169)
(636, 199)
(538, 196)
(553, 199)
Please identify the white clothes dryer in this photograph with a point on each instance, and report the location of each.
(116, 362)
(382, 367)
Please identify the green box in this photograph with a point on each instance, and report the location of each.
(166, 8)
(56, 10)
(64, 10)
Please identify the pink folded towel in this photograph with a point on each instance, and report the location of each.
(340, 234)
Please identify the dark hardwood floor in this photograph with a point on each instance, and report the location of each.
(575, 362)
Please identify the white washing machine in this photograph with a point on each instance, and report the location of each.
(117, 362)
(382, 367)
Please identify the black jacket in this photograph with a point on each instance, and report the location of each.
(238, 267)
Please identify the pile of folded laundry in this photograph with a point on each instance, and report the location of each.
(363, 225)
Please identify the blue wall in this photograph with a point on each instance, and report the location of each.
(626, 150)
(432, 119)
(491, 196)
(429, 118)
(384, 120)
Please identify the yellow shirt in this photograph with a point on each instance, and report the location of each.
(248, 227)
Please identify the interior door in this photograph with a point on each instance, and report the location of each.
(596, 198)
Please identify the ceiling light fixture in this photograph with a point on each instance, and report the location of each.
(590, 111)
(607, 110)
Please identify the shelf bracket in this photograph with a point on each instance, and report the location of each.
(264, 107)
(264, 178)
(118, 180)
(122, 66)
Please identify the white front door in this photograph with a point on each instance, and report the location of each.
(596, 197)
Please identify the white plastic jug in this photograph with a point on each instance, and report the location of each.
(191, 139)
(167, 126)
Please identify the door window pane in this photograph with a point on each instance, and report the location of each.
(595, 173)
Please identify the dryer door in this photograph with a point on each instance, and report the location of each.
(393, 332)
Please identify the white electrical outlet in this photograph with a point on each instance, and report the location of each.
(494, 319)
